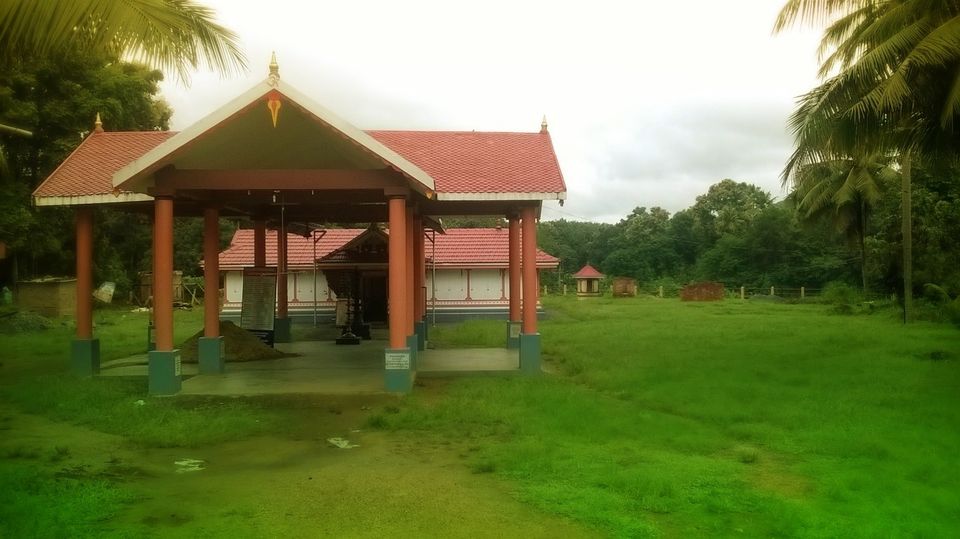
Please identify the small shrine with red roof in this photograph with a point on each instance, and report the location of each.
(588, 282)
(279, 159)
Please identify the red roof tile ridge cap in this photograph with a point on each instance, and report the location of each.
(556, 161)
(451, 132)
(138, 131)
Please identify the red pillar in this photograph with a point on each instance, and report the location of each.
(514, 269)
(163, 272)
(259, 243)
(84, 224)
(211, 272)
(529, 248)
(282, 271)
(397, 272)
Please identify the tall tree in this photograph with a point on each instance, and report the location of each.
(892, 80)
(843, 190)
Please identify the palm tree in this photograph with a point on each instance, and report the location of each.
(845, 190)
(892, 83)
(172, 35)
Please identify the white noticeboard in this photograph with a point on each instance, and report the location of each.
(259, 304)
(397, 360)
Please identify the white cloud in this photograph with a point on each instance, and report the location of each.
(648, 102)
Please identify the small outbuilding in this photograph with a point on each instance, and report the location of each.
(588, 282)
(624, 287)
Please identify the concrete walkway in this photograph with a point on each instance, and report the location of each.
(322, 367)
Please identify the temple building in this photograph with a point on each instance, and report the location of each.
(278, 158)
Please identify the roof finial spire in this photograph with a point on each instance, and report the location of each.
(98, 125)
(274, 77)
(543, 124)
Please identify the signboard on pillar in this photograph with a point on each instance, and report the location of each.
(259, 304)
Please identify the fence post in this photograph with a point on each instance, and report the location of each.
(743, 293)
(771, 291)
(803, 292)
(660, 291)
(564, 289)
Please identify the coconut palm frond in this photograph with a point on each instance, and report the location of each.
(174, 35)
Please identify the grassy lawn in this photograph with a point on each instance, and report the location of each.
(659, 419)
(726, 419)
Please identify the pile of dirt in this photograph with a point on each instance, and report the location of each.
(239, 345)
(23, 322)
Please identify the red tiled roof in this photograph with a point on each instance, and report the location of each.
(459, 247)
(471, 162)
(472, 246)
(459, 162)
(588, 272)
(299, 248)
(89, 169)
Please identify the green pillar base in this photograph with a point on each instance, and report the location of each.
(163, 372)
(211, 355)
(85, 357)
(414, 354)
(420, 328)
(513, 334)
(398, 372)
(281, 330)
(530, 353)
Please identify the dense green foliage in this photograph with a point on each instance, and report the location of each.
(797, 423)
(735, 234)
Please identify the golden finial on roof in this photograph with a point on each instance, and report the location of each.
(274, 77)
(543, 124)
(98, 125)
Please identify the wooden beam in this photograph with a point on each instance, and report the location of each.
(308, 179)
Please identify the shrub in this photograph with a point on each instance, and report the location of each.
(935, 294)
(839, 293)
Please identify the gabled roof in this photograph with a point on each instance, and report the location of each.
(135, 175)
(588, 272)
(87, 173)
(464, 165)
(468, 165)
(371, 237)
(458, 248)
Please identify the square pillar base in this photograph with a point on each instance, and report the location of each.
(513, 334)
(530, 353)
(211, 355)
(85, 357)
(420, 328)
(163, 372)
(281, 330)
(398, 370)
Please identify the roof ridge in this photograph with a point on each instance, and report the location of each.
(453, 131)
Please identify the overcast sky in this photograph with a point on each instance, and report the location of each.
(648, 103)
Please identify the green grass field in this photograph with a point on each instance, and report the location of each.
(723, 419)
(657, 419)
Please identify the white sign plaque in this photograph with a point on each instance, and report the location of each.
(397, 360)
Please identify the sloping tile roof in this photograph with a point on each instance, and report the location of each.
(299, 248)
(463, 247)
(588, 272)
(471, 162)
(459, 247)
(89, 169)
(459, 162)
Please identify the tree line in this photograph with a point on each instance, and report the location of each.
(737, 234)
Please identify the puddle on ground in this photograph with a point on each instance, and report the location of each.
(389, 484)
